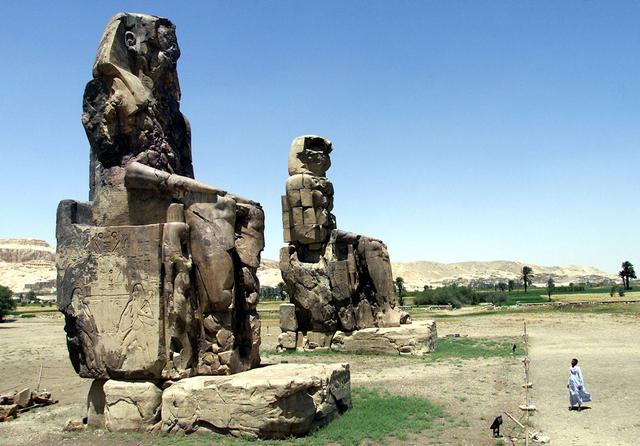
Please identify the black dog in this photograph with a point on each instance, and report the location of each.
(495, 426)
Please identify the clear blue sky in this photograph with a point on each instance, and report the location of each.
(462, 130)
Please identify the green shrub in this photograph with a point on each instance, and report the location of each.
(457, 296)
(27, 315)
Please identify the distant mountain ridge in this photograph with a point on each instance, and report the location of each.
(29, 264)
(418, 274)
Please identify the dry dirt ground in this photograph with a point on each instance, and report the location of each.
(471, 392)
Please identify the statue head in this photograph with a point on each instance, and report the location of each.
(310, 154)
(138, 49)
(131, 107)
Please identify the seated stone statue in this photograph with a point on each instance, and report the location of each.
(157, 272)
(337, 280)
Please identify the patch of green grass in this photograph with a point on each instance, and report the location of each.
(25, 310)
(375, 416)
(472, 348)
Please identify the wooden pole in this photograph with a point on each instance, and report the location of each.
(526, 382)
(39, 378)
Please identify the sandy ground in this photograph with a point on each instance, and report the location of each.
(472, 392)
(609, 354)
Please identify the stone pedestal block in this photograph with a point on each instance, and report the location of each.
(318, 340)
(131, 405)
(288, 320)
(416, 339)
(276, 401)
(96, 404)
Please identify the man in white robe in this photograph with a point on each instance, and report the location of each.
(577, 392)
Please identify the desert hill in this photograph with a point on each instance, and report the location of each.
(418, 274)
(27, 264)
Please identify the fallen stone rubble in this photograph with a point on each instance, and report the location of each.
(12, 405)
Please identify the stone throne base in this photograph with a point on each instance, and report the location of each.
(275, 401)
(417, 338)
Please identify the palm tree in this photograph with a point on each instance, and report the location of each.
(527, 277)
(399, 283)
(550, 286)
(627, 273)
(281, 290)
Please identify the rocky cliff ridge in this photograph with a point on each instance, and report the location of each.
(27, 264)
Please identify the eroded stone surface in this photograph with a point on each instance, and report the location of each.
(288, 321)
(157, 274)
(275, 401)
(110, 294)
(96, 404)
(287, 340)
(131, 405)
(131, 110)
(416, 339)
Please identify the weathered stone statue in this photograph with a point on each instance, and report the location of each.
(157, 273)
(337, 280)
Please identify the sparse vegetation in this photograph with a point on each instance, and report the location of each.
(457, 296)
(399, 285)
(471, 348)
(626, 273)
(7, 304)
(527, 277)
(550, 286)
(281, 290)
(614, 308)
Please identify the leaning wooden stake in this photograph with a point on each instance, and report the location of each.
(526, 382)
(39, 379)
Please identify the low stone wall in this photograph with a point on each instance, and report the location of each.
(276, 401)
(417, 338)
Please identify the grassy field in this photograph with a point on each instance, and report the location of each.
(473, 348)
(614, 308)
(35, 308)
(595, 297)
(539, 295)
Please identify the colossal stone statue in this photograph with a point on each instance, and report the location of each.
(337, 280)
(157, 272)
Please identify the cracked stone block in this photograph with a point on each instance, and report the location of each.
(287, 340)
(416, 339)
(288, 321)
(318, 340)
(276, 401)
(131, 405)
